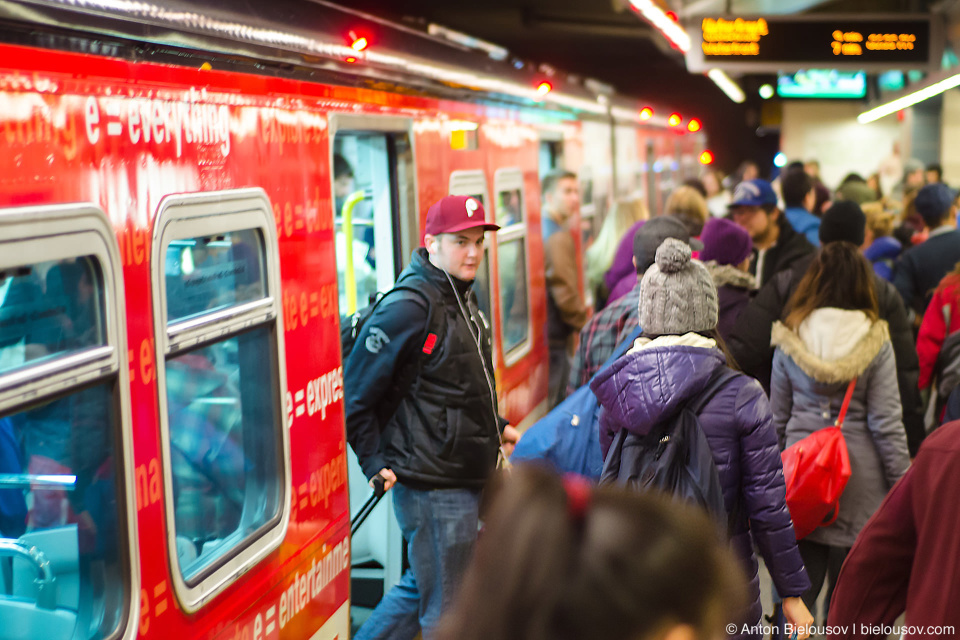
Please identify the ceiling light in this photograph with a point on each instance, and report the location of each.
(659, 19)
(706, 157)
(727, 85)
(909, 100)
(646, 113)
(694, 125)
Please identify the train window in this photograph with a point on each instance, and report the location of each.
(211, 273)
(49, 310)
(220, 372)
(513, 269)
(371, 171)
(474, 184)
(67, 525)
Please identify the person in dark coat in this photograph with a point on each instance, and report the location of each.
(832, 336)
(750, 341)
(678, 356)
(726, 254)
(907, 557)
(776, 245)
(921, 268)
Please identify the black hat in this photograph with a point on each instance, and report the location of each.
(843, 222)
(652, 234)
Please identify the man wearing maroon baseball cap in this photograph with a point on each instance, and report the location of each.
(453, 235)
(422, 413)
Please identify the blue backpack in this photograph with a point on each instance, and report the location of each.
(569, 436)
(674, 458)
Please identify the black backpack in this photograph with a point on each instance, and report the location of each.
(674, 458)
(352, 326)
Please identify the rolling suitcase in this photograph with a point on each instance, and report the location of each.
(369, 505)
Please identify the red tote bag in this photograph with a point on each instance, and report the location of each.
(816, 470)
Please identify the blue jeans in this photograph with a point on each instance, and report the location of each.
(440, 527)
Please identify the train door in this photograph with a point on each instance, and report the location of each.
(68, 539)
(651, 177)
(551, 152)
(376, 229)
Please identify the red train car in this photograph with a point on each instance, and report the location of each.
(190, 198)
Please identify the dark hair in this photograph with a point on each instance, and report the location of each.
(796, 185)
(341, 167)
(613, 564)
(796, 165)
(934, 166)
(696, 183)
(550, 181)
(852, 177)
(838, 277)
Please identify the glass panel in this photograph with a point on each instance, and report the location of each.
(481, 284)
(513, 293)
(59, 466)
(212, 273)
(50, 309)
(224, 445)
(509, 208)
(364, 202)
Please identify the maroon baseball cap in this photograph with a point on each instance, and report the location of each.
(456, 213)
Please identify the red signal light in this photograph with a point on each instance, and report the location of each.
(694, 126)
(706, 157)
(351, 59)
(358, 43)
(675, 119)
(646, 113)
(544, 88)
(672, 16)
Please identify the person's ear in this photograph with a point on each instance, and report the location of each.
(432, 243)
(634, 261)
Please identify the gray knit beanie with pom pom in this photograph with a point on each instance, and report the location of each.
(677, 294)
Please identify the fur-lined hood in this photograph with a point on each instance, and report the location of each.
(832, 345)
(727, 274)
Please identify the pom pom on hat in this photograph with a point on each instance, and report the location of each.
(673, 255)
(677, 294)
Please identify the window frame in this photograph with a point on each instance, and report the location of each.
(511, 179)
(204, 214)
(58, 232)
(470, 182)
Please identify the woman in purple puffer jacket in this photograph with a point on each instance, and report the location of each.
(677, 358)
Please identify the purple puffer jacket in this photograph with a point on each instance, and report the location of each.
(644, 388)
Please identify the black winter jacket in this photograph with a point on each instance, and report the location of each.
(445, 432)
(750, 340)
(791, 247)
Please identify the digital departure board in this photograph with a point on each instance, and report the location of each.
(790, 43)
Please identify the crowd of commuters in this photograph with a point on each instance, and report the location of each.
(766, 310)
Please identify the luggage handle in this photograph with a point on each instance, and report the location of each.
(846, 403)
(368, 506)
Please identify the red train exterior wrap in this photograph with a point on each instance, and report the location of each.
(123, 135)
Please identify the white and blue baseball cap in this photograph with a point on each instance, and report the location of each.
(753, 193)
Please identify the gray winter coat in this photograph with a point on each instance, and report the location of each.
(806, 393)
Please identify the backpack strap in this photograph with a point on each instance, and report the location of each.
(846, 402)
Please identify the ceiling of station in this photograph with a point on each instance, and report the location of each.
(608, 41)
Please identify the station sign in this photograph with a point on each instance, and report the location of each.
(791, 43)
